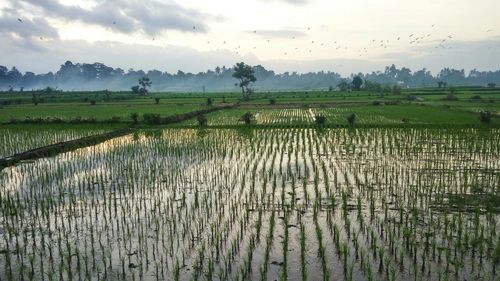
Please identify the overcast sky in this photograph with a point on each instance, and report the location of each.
(284, 35)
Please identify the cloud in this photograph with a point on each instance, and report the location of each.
(26, 34)
(292, 2)
(295, 2)
(280, 33)
(125, 16)
(165, 58)
(27, 28)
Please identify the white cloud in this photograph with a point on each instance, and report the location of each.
(329, 35)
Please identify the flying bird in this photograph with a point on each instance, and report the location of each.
(489, 30)
(20, 20)
(114, 22)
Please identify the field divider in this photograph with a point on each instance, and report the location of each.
(65, 146)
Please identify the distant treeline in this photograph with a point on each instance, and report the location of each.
(97, 76)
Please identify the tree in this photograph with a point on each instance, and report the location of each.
(440, 84)
(209, 101)
(245, 74)
(272, 101)
(157, 100)
(357, 82)
(343, 85)
(135, 89)
(144, 84)
(35, 99)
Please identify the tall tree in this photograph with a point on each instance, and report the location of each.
(145, 83)
(357, 82)
(245, 74)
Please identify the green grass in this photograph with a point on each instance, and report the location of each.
(103, 111)
(334, 105)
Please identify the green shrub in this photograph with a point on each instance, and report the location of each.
(320, 120)
(351, 119)
(152, 118)
(485, 117)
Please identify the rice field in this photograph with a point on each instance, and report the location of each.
(258, 204)
(365, 115)
(15, 140)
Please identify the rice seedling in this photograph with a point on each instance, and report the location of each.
(181, 204)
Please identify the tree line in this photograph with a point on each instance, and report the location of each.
(97, 76)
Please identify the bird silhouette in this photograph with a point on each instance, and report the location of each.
(20, 20)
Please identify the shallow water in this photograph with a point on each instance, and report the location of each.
(185, 201)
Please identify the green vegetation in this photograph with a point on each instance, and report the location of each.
(279, 204)
(393, 185)
(417, 106)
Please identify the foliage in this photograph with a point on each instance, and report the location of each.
(247, 118)
(343, 84)
(142, 88)
(135, 117)
(485, 117)
(320, 120)
(202, 120)
(357, 82)
(351, 119)
(246, 75)
(152, 118)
